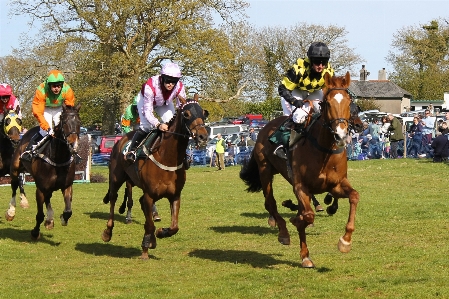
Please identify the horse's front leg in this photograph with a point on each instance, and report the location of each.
(304, 218)
(49, 222)
(173, 229)
(129, 203)
(149, 240)
(23, 199)
(345, 242)
(40, 199)
(11, 212)
(65, 216)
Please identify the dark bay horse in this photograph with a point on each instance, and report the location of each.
(318, 164)
(9, 140)
(53, 168)
(160, 174)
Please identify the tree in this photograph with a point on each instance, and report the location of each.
(131, 38)
(421, 60)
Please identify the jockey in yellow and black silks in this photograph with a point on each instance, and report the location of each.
(304, 80)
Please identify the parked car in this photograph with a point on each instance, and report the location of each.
(107, 143)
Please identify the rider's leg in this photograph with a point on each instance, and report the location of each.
(130, 156)
(34, 144)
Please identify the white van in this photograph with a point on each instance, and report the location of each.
(226, 130)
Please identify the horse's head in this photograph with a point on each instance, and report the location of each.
(354, 121)
(69, 126)
(193, 117)
(336, 107)
(12, 126)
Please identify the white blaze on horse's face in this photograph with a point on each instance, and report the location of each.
(338, 97)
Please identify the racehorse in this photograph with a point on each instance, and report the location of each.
(356, 124)
(53, 168)
(9, 140)
(318, 164)
(161, 173)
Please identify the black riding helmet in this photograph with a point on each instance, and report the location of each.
(318, 50)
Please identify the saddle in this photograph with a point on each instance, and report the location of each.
(146, 147)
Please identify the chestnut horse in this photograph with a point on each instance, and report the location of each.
(9, 140)
(160, 174)
(52, 169)
(318, 163)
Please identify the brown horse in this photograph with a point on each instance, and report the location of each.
(160, 174)
(318, 164)
(52, 169)
(9, 140)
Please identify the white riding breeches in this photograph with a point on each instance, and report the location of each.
(300, 114)
(52, 115)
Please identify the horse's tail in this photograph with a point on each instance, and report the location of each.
(250, 174)
(106, 198)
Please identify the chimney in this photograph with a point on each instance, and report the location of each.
(363, 73)
(383, 74)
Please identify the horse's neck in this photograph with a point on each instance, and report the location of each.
(173, 144)
(321, 132)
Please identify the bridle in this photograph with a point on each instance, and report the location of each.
(339, 120)
(195, 112)
(72, 128)
(13, 117)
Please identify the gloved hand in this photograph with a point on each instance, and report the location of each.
(298, 103)
(50, 132)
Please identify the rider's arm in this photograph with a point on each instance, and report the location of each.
(38, 108)
(69, 96)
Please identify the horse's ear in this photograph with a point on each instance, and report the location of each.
(78, 107)
(347, 80)
(196, 97)
(17, 109)
(206, 113)
(64, 107)
(328, 80)
(182, 100)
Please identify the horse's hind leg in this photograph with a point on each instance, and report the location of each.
(67, 213)
(40, 199)
(149, 239)
(128, 200)
(266, 179)
(112, 199)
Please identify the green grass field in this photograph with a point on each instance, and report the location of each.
(225, 249)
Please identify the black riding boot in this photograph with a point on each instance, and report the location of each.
(130, 156)
(35, 143)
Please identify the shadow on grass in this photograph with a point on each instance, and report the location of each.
(24, 236)
(105, 249)
(255, 230)
(285, 216)
(253, 258)
(105, 216)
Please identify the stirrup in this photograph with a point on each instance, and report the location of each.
(27, 156)
(280, 152)
(130, 156)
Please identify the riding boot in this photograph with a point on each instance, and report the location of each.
(130, 156)
(35, 143)
(281, 137)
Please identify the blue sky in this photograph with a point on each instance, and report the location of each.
(370, 24)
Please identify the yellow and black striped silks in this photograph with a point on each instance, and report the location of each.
(298, 76)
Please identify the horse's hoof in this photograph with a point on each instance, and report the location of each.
(24, 204)
(328, 199)
(106, 236)
(307, 263)
(310, 225)
(35, 236)
(144, 256)
(49, 224)
(319, 208)
(284, 240)
(63, 222)
(344, 246)
(128, 221)
(271, 222)
(9, 217)
(331, 210)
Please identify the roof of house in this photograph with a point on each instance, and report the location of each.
(377, 89)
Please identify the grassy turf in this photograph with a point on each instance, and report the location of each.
(225, 249)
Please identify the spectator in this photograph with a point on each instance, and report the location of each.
(252, 134)
(384, 136)
(416, 134)
(396, 135)
(220, 147)
(440, 146)
(230, 154)
(245, 141)
(428, 125)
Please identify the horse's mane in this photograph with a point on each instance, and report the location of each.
(188, 101)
